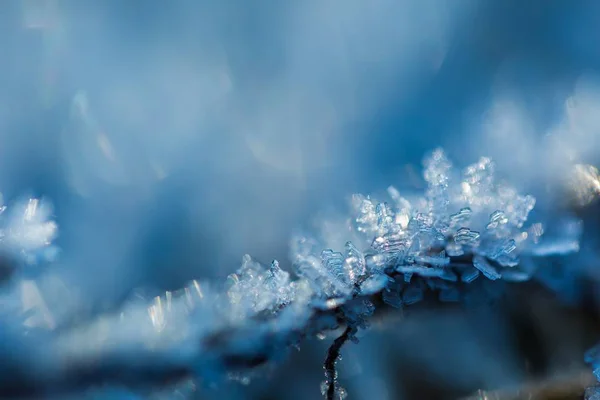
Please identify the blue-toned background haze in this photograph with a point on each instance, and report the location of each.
(174, 137)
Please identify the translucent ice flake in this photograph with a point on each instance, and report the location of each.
(376, 262)
(460, 217)
(486, 268)
(374, 284)
(503, 252)
(449, 276)
(439, 260)
(278, 282)
(355, 263)
(390, 243)
(421, 270)
(466, 236)
(323, 282)
(497, 219)
(421, 223)
(469, 275)
(337, 274)
(323, 273)
(333, 262)
(333, 274)
(254, 288)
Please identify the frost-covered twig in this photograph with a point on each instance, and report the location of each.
(231, 350)
(467, 225)
(333, 354)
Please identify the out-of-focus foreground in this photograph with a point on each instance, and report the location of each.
(174, 137)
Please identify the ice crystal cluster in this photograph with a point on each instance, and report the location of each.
(467, 226)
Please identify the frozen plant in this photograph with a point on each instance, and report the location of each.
(467, 227)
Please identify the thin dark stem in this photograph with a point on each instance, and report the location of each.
(332, 355)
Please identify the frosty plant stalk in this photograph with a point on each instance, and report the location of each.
(465, 228)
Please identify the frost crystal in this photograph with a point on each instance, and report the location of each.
(255, 289)
(465, 226)
(465, 220)
(469, 275)
(486, 268)
(333, 274)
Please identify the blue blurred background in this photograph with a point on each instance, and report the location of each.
(174, 137)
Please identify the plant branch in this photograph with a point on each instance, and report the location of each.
(333, 354)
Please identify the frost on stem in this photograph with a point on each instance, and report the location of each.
(330, 387)
(465, 227)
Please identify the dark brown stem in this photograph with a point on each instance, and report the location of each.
(332, 356)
